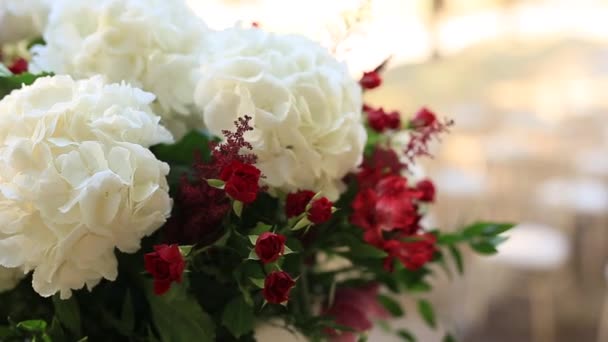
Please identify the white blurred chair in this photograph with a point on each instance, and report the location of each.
(538, 250)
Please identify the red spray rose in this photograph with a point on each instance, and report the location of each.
(269, 247)
(370, 80)
(427, 190)
(277, 286)
(296, 202)
(395, 208)
(380, 121)
(424, 118)
(19, 66)
(241, 181)
(355, 308)
(412, 254)
(166, 264)
(320, 210)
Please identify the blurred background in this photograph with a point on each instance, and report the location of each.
(525, 82)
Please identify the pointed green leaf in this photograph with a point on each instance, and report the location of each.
(486, 229)
(257, 282)
(238, 317)
(183, 151)
(425, 309)
(33, 326)
(253, 239)
(68, 313)
(484, 247)
(185, 250)
(391, 305)
(455, 252)
(237, 206)
(216, 183)
(406, 335)
(261, 228)
(303, 223)
(288, 251)
(253, 255)
(449, 338)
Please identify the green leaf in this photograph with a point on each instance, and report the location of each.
(449, 238)
(33, 326)
(253, 239)
(257, 282)
(425, 309)
(391, 305)
(406, 335)
(11, 82)
(216, 183)
(56, 331)
(361, 250)
(68, 313)
(4, 72)
(253, 255)
(238, 317)
(178, 316)
(183, 151)
(185, 250)
(127, 315)
(486, 229)
(237, 206)
(484, 247)
(303, 223)
(449, 338)
(455, 252)
(260, 228)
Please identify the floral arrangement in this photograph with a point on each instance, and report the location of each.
(165, 182)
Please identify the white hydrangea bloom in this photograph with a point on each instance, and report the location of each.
(152, 44)
(306, 109)
(77, 179)
(9, 278)
(22, 19)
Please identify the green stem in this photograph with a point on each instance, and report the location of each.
(304, 291)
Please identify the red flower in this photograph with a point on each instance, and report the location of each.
(380, 121)
(412, 254)
(241, 181)
(320, 211)
(364, 209)
(19, 66)
(427, 190)
(277, 286)
(424, 118)
(370, 80)
(395, 208)
(166, 264)
(269, 247)
(355, 308)
(296, 202)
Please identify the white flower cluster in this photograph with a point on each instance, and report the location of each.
(151, 44)
(77, 179)
(22, 19)
(306, 108)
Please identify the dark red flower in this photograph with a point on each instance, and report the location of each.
(413, 253)
(427, 190)
(255, 24)
(355, 308)
(269, 247)
(19, 66)
(296, 202)
(320, 210)
(382, 162)
(423, 118)
(370, 80)
(166, 264)
(380, 121)
(395, 207)
(277, 286)
(241, 181)
(364, 209)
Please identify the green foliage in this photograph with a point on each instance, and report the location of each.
(391, 305)
(183, 152)
(68, 313)
(425, 309)
(10, 82)
(406, 335)
(238, 317)
(178, 317)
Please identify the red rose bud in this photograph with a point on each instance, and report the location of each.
(380, 121)
(241, 181)
(370, 80)
(19, 66)
(424, 118)
(255, 24)
(296, 202)
(269, 247)
(166, 264)
(277, 286)
(427, 190)
(320, 211)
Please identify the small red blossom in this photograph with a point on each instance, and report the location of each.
(395, 208)
(277, 286)
(241, 181)
(427, 190)
(370, 80)
(423, 118)
(413, 253)
(269, 247)
(255, 24)
(355, 308)
(19, 66)
(380, 121)
(296, 202)
(320, 211)
(166, 264)
(425, 127)
(382, 162)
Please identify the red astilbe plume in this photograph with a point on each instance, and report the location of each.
(200, 208)
(424, 128)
